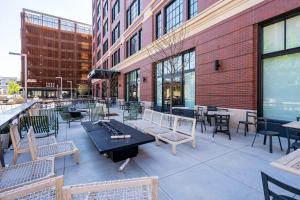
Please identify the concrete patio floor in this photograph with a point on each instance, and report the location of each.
(218, 168)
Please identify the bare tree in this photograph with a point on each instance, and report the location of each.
(170, 47)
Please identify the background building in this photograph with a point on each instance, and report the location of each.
(243, 55)
(55, 47)
(4, 84)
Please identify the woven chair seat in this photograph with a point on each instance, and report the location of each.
(40, 142)
(25, 173)
(158, 130)
(173, 136)
(54, 149)
(140, 124)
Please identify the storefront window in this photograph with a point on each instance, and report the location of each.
(178, 74)
(280, 70)
(133, 86)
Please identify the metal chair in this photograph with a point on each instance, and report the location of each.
(199, 115)
(249, 115)
(270, 193)
(133, 112)
(221, 122)
(209, 117)
(262, 123)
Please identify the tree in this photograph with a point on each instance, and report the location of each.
(13, 87)
(170, 47)
(83, 89)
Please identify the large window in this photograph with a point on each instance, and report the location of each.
(116, 57)
(280, 69)
(116, 33)
(133, 12)
(105, 47)
(132, 89)
(105, 9)
(133, 43)
(158, 26)
(182, 69)
(115, 10)
(105, 28)
(192, 8)
(174, 15)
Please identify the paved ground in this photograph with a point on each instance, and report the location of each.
(217, 169)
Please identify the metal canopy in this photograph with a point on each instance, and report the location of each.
(102, 74)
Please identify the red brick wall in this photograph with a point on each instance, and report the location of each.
(234, 43)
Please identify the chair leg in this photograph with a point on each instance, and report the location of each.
(237, 129)
(270, 144)
(174, 149)
(229, 135)
(201, 127)
(194, 143)
(156, 141)
(15, 157)
(246, 129)
(77, 156)
(204, 125)
(280, 142)
(254, 139)
(265, 139)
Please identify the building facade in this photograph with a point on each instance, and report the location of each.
(237, 54)
(55, 47)
(4, 81)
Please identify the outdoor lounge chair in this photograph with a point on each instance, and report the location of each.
(21, 145)
(164, 123)
(143, 123)
(48, 189)
(137, 188)
(183, 131)
(275, 196)
(53, 150)
(25, 173)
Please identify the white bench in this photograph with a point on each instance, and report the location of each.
(171, 129)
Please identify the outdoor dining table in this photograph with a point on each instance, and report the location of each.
(291, 125)
(289, 163)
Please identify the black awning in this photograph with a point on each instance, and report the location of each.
(102, 74)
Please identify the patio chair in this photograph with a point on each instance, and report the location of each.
(40, 124)
(21, 145)
(163, 123)
(262, 124)
(275, 196)
(48, 189)
(200, 118)
(53, 150)
(250, 121)
(25, 173)
(222, 124)
(137, 188)
(293, 134)
(208, 116)
(143, 123)
(183, 132)
(133, 112)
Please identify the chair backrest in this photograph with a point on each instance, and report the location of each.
(147, 115)
(185, 125)
(15, 136)
(220, 118)
(156, 118)
(32, 143)
(168, 121)
(44, 189)
(251, 116)
(261, 124)
(270, 193)
(212, 108)
(40, 124)
(137, 188)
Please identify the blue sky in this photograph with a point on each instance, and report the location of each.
(10, 22)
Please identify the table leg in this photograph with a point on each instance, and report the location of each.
(271, 144)
(122, 167)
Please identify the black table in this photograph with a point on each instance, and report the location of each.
(116, 149)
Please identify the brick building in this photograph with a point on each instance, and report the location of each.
(55, 47)
(243, 54)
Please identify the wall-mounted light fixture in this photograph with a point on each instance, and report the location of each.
(144, 79)
(217, 65)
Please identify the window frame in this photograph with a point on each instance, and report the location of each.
(105, 47)
(114, 14)
(158, 29)
(114, 38)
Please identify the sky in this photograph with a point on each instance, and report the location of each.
(10, 24)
